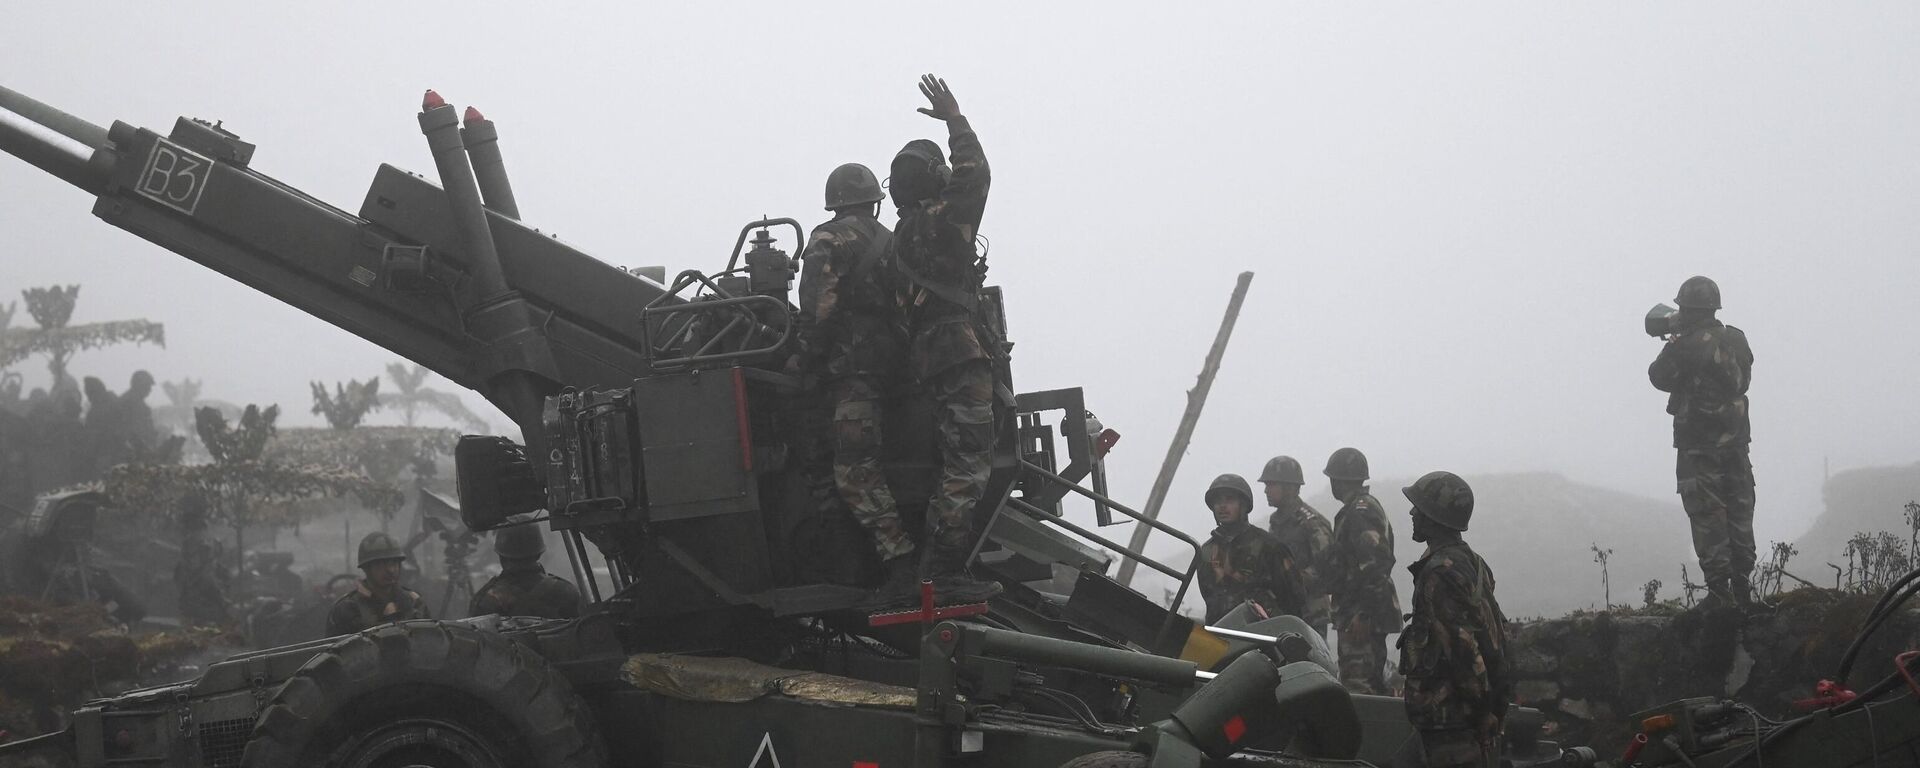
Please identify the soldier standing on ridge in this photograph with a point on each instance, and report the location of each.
(1453, 651)
(379, 598)
(1242, 563)
(1306, 533)
(524, 588)
(1706, 367)
(854, 341)
(950, 354)
(1365, 607)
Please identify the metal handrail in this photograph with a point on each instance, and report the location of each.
(686, 312)
(1186, 579)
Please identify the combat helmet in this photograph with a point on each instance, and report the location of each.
(850, 185)
(1282, 469)
(1443, 497)
(378, 546)
(1231, 483)
(520, 542)
(1698, 293)
(1347, 464)
(918, 172)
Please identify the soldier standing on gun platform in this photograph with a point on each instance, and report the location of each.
(1706, 367)
(379, 598)
(1306, 533)
(1453, 650)
(1242, 563)
(1365, 606)
(950, 355)
(854, 341)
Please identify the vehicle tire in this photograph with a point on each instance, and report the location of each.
(1109, 760)
(426, 693)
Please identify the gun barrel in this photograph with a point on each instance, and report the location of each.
(482, 140)
(51, 140)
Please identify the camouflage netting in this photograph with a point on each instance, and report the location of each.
(148, 486)
(1589, 672)
(52, 658)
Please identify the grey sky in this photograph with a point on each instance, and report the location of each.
(1457, 213)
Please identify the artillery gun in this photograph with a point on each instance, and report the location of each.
(663, 443)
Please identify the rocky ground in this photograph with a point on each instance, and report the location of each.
(1591, 671)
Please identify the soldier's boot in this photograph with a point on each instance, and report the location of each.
(1719, 594)
(901, 587)
(952, 583)
(1743, 594)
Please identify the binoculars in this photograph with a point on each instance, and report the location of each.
(1660, 320)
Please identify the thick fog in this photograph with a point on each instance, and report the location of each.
(1457, 215)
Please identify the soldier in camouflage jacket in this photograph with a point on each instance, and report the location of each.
(1453, 650)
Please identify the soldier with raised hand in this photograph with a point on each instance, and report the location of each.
(1705, 369)
(854, 341)
(379, 598)
(1360, 569)
(1306, 533)
(524, 588)
(1241, 563)
(1453, 650)
(941, 274)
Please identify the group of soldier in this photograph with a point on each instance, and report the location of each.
(1452, 655)
(523, 587)
(885, 311)
(1451, 645)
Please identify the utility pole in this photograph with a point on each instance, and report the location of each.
(1196, 400)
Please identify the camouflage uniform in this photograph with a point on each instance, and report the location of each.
(852, 337)
(934, 252)
(1453, 654)
(1242, 563)
(527, 591)
(1365, 606)
(1308, 536)
(1706, 370)
(359, 610)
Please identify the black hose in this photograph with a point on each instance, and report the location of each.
(1882, 609)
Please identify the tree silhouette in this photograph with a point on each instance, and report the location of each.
(52, 308)
(412, 396)
(349, 404)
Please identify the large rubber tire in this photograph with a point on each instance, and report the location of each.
(1109, 760)
(426, 693)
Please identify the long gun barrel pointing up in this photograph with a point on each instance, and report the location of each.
(53, 141)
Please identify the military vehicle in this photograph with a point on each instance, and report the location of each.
(663, 442)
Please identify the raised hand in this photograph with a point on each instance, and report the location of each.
(944, 106)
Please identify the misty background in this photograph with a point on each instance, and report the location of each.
(1456, 214)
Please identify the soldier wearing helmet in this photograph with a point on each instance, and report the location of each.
(852, 342)
(1705, 369)
(379, 598)
(1360, 575)
(1242, 563)
(950, 352)
(1453, 650)
(1306, 533)
(524, 588)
